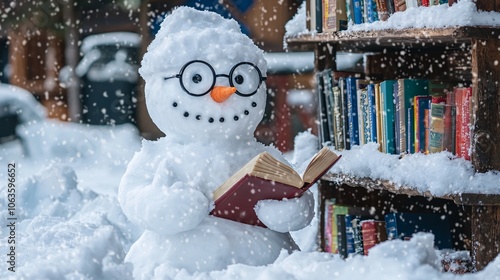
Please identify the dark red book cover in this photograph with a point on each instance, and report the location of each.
(238, 202)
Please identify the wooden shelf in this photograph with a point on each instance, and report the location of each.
(386, 185)
(454, 37)
(466, 54)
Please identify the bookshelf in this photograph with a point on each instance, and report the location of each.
(476, 216)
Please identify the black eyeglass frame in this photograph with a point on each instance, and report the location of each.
(228, 76)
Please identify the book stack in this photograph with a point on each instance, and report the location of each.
(335, 15)
(402, 116)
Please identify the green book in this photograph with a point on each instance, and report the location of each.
(387, 116)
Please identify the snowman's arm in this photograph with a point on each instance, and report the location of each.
(286, 215)
(152, 199)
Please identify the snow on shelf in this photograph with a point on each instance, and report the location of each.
(463, 13)
(440, 174)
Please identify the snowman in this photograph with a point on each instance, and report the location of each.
(205, 89)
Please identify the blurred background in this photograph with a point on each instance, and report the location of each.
(79, 59)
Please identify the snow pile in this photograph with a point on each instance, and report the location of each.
(20, 102)
(444, 173)
(297, 25)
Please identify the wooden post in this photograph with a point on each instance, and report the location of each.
(488, 5)
(485, 234)
(72, 55)
(485, 154)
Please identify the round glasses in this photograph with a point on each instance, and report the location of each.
(198, 77)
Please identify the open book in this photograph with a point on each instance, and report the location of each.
(264, 177)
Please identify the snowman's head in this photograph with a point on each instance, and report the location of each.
(205, 79)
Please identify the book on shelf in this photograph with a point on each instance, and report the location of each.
(265, 177)
(338, 119)
(399, 5)
(344, 124)
(463, 123)
(403, 225)
(314, 20)
(425, 3)
(450, 122)
(372, 112)
(363, 111)
(410, 134)
(390, 6)
(328, 88)
(349, 235)
(421, 104)
(358, 234)
(388, 122)
(349, 7)
(437, 124)
(373, 232)
(378, 117)
(371, 10)
(334, 15)
(324, 129)
(341, 236)
(382, 11)
(357, 13)
(331, 225)
(406, 90)
(352, 111)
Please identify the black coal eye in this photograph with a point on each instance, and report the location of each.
(197, 78)
(239, 79)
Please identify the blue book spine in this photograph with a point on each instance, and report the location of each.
(404, 225)
(352, 111)
(372, 14)
(373, 112)
(410, 134)
(358, 11)
(349, 234)
(391, 226)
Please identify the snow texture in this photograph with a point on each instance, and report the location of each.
(167, 188)
(70, 225)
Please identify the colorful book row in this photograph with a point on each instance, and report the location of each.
(336, 15)
(402, 116)
(349, 231)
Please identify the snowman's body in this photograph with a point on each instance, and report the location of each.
(167, 188)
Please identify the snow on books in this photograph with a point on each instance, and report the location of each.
(265, 177)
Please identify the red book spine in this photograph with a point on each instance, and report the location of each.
(369, 235)
(458, 136)
(373, 232)
(425, 3)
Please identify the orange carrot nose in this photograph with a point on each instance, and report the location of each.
(220, 94)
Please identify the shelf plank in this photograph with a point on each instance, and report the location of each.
(382, 184)
(453, 37)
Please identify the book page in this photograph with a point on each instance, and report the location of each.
(322, 161)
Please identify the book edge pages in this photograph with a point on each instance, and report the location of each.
(263, 166)
(319, 165)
